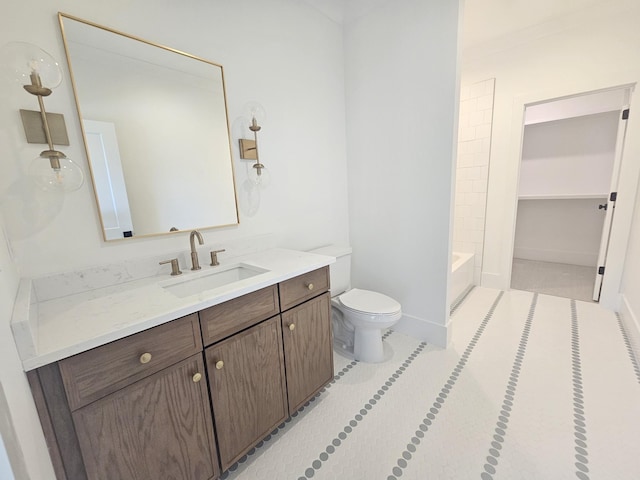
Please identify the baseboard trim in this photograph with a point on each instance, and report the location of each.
(460, 299)
(430, 332)
(493, 280)
(586, 259)
(631, 325)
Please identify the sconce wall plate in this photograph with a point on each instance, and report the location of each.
(34, 130)
(248, 150)
(257, 174)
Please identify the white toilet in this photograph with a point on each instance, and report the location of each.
(358, 316)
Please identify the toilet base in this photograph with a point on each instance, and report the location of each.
(347, 352)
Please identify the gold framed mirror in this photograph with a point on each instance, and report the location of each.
(156, 132)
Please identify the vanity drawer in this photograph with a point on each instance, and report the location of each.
(91, 375)
(222, 321)
(303, 287)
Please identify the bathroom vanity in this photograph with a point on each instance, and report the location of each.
(191, 395)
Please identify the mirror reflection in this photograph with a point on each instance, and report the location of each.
(156, 132)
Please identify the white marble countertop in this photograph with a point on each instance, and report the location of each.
(51, 329)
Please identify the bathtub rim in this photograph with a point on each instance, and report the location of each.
(459, 259)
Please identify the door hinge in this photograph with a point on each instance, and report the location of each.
(600, 270)
(625, 114)
(613, 196)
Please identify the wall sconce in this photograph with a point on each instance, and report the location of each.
(258, 174)
(39, 73)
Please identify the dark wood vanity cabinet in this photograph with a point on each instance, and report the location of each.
(140, 408)
(248, 389)
(159, 427)
(308, 349)
(266, 369)
(245, 367)
(308, 343)
(136, 409)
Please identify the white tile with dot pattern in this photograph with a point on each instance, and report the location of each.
(334, 438)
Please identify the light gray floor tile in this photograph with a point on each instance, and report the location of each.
(558, 279)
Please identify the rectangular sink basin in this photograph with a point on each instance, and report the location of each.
(189, 285)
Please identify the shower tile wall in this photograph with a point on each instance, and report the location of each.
(474, 147)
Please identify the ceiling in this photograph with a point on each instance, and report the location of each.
(343, 11)
(484, 20)
(488, 20)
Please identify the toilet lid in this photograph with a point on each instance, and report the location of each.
(369, 302)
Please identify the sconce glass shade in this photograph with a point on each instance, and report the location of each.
(67, 178)
(253, 110)
(259, 176)
(19, 60)
(249, 198)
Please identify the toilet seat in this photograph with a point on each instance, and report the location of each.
(369, 303)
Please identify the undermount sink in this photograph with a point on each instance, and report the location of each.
(193, 285)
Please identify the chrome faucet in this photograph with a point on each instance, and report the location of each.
(195, 264)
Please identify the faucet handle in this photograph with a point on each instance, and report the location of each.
(214, 257)
(175, 266)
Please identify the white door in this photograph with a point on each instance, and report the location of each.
(611, 205)
(108, 179)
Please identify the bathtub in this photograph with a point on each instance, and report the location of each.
(462, 266)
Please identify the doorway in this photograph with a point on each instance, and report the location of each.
(569, 166)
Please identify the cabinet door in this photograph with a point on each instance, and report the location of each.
(156, 428)
(246, 377)
(308, 349)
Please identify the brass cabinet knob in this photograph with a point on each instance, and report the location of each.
(310, 286)
(145, 358)
(292, 327)
(219, 364)
(197, 377)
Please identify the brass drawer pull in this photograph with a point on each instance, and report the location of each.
(197, 377)
(292, 327)
(219, 365)
(145, 358)
(309, 286)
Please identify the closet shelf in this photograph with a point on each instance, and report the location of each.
(569, 196)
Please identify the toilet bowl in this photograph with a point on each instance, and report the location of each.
(358, 316)
(361, 316)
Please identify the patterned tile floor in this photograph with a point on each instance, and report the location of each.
(532, 387)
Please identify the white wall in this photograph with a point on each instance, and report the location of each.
(282, 53)
(401, 82)
(19, 424)
(6, 471)
(591, 50)
(472, 170)
(560, 231)
(569, 157)
(630, 307)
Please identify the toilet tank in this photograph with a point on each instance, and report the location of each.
(340, 272)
